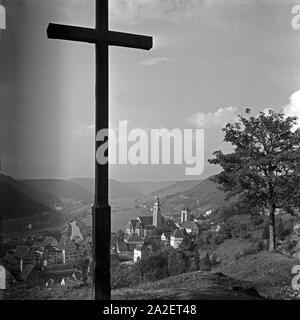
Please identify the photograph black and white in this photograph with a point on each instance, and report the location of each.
(150, 150)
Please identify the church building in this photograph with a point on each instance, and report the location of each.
(143, 225)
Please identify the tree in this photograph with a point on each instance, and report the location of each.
(120, 235)
(196, 261)
(264, 168)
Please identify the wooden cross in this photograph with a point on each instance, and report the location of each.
(103, 38)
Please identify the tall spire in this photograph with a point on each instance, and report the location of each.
(157, 213)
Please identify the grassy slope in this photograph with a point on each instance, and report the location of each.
(269, 272)
(191, 286)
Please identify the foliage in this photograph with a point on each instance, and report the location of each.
(205, 264)
(264, 169)
(164, 263)
(120, 277)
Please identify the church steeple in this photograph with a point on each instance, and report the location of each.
(157, 213)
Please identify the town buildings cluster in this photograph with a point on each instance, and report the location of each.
(147, 234)
(44, 259)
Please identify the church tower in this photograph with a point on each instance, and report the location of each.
(185, 215)
(157, 213)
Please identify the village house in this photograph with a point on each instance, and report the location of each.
(140, 252)
(165, 238)
(29, 259)
(6, 278)
(11, 262)
(190, 227)
(50, 241)
(177, 238)
(71, 250)
(54, 255)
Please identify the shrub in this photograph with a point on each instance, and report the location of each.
(246, 235)
(257, 220)
(254, 248)
(219, 238)
(205, 264)
(120, 277)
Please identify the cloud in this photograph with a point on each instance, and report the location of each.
(213, 119)
(156, 60)
(134, 11)
(224, 115)
(293, 108)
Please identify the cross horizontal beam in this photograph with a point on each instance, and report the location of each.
(111, 38)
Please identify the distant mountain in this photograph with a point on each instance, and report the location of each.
(117, 190)
(204, 196)
(148, 187)
(177, 187)
(24, 188)
(62, 189)
(21, 205)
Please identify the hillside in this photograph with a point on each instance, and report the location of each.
(17, 205)
(21, 206)
(191, 286)
(61, 189)
(197, 285)
(204, 196)
(25, 189)
(117, 190)
(175, 188)
(148, 187)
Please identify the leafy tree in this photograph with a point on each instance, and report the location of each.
(172, 263)
(196, 261)
(120, 235)
(264, 168)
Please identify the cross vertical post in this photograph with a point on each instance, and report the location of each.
(102, 37)
(101, 208)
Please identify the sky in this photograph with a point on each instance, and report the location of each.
(211, 60)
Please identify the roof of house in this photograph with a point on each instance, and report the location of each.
(133, 238)
(133, 222)
(178, 234)
(156, 232)
(139, 225)
(146, 220)
(190, 225)
(50, 248)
